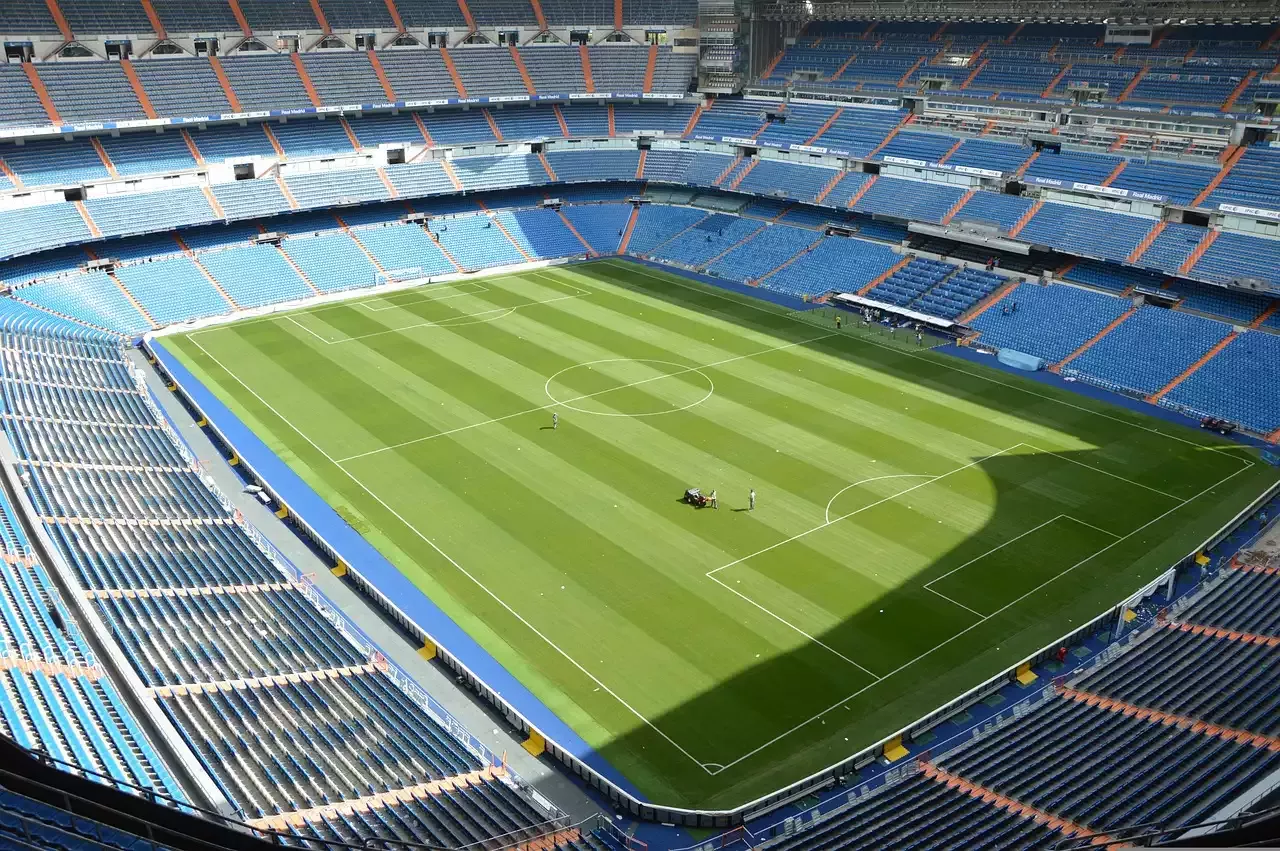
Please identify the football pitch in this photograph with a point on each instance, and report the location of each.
(921, 522)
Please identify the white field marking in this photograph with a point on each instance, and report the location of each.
(830, 502)
(827, 523)
(673, 279)
(455, 564)
(1105, 473)
(986, 618)
(955, 602)
(388, 303)
(546, 388)
(304, 328)
(789, 624)
(1004, 544)
(551, 405)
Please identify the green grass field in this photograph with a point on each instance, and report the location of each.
(921, 524)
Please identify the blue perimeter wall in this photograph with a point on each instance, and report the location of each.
(380, 572)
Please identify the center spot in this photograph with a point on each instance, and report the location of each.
(629, 387)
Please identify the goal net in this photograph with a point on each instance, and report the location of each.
(396, 276)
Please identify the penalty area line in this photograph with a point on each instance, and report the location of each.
(976, 624)
(430, 543)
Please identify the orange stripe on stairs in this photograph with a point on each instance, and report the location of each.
(42, 93)
(990, 796)
(1111, 326)
(585, 56)
(383, 79)
(306, 79)
(1189, 371)
(564, 125)
(395, 16)
(524, 72)
(60, 20)
(650, 68)
(1147, 240)
(884, 276)
(574, 231)
(631, 226)
(1207, 240)
(538, 15)
(102, 155)
(320, 18)
(1185, 722)
(157, 25)
(453, 70)
(467, 16)
(240, 18)
(138, 91)
(225, 82)
(498, 224)
(88, 219)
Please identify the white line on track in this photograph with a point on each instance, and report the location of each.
(571, 400)
(954, 602)
(459, 567)
(1105, 473)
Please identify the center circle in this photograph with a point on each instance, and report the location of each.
(629, 387)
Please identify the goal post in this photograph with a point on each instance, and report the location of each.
(398, 276)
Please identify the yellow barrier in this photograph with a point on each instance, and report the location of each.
(893, 749)
(535, 744)
(427, 650)
(1024, 675)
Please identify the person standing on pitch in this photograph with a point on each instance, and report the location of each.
(714, 500)
(555, 420)
(751, 500)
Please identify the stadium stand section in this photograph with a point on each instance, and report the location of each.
(1214, 354)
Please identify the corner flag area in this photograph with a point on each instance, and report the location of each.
(921, 522)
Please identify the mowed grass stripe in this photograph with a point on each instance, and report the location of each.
(833, 408)
(548, 480)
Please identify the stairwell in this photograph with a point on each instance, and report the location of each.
(1088, 344)
(1022, 169)
(381, 73)
(225, 82)
(1229, 163)
(213, 203)
(208, 276)
(650, 68)
(697, 116)
(524, 72)
(1230, 102)
(60, 20)
(826, 125)
(356, 239)
(955, 208)
(586, 246)
(889, 138)
(862, 190)
(88, 220)
(626, 233)
(585, 56)
(742, 175)
(1266, 314)
(790, 260)
(1147, 240)
(539, 16)
(989, 302)
(238, 14)
(907, 76)
(1209, 238)
(990, 796)
(564, 125)
(973, 75)
(750, 236)
(296, 268)
(284, 190)
(839, 71)
(728, 171)
(306, 79)
(542, 158)
(96, 143)
(644, 155)
(1115, 172)
(1053, 84)
(1026, 219)
(33, 77)
(453, 70)
(884, 276)
(1191, 370)
(139, 92)
(831, 185)
(467, 16)
(1133, 84)
(137, 305)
